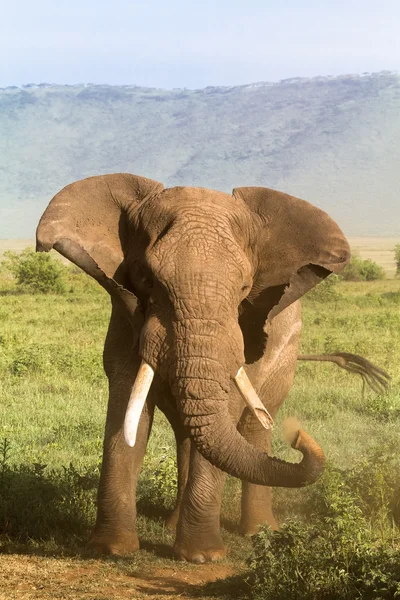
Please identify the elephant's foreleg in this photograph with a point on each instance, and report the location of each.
(198, 537)
(256, 503)
(115, 529)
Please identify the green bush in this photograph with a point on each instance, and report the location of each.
(362, 270)
(36, 272)
(325, 291)
(397, 258)
(37, 503)
(339, 553)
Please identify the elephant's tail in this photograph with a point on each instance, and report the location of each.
(374, 376)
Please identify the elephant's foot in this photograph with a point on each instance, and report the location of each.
(114, 544)
(200, 551)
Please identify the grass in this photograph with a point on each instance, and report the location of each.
(52, 412)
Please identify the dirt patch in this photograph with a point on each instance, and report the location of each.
(33, 577)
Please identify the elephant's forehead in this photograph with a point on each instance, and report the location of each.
(182, 206)
(189, 222)
(199, 197)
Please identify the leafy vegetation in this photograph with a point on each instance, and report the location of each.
(36, 272)
(340, 552)
(312, 138)
(397, 258)
(362, 270)
(326, 291)
(52, 410)
(45, 504)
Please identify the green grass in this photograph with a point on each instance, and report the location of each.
(53, 401)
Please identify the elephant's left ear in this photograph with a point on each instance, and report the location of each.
(297, 245)
(88, 223)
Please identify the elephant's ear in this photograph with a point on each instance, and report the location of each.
(87, 223)
(297, 246)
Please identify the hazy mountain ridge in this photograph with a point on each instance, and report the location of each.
(334, 141)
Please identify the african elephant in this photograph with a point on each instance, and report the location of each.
(200, 281)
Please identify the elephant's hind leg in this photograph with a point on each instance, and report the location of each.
(256, 499)
(182, 454)
(183, 458)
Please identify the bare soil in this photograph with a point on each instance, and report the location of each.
(35, 577)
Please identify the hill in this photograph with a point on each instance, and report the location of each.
(334, 141)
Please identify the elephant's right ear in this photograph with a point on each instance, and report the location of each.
(87, 223)
(296, 245)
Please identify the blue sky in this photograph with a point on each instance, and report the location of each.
(179, 43)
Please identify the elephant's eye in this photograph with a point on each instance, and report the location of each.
(147, 282)
(246, 287)
(143, 282)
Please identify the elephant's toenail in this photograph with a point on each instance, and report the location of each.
(199, 559)
(215, 556)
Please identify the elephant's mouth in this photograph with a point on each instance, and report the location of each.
(141, 388)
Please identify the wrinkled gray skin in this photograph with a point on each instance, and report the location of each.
(211, 273)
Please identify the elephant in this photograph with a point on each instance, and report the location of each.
(205, 290)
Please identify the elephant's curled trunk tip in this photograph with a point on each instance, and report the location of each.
(313, 455)
(296, 439)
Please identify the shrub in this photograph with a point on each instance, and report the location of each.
(362, 270)
(326, 290)
(37, 503)
(338, 554)
(397, 258)
(312, 563)
(36, 272)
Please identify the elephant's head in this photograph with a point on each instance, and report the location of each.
(207, 269)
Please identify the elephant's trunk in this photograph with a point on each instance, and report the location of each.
(201, 386)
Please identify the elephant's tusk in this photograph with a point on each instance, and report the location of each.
(252, 400)
(136, 402)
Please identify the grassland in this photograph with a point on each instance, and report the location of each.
(52, 410)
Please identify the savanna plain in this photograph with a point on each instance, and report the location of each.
(53, 399)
